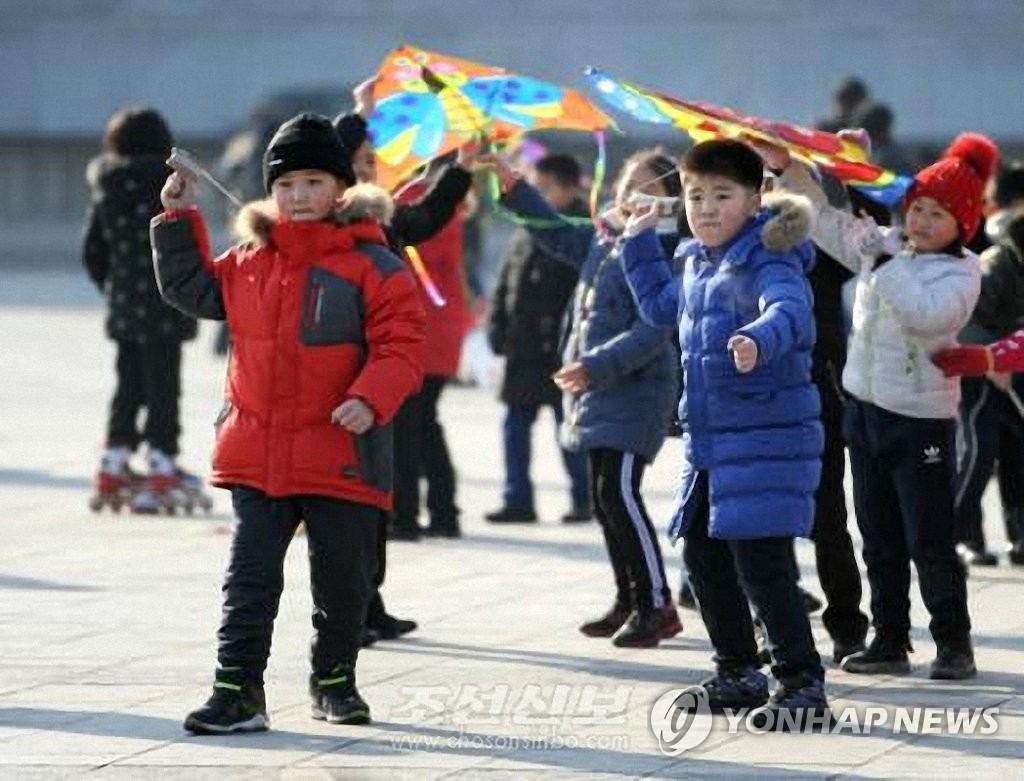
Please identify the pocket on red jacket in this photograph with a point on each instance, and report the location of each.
(326, 451)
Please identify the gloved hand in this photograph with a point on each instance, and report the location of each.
(969, 360)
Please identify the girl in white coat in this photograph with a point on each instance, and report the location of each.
(916, 290)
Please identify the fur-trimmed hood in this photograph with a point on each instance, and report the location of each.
(361, 202)
(791, 223)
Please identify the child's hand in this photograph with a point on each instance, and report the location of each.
(363, 97)
(353, 415)
(470, 155)
(744, 352)
(866, 238)
(179, 191)
(774, 156)
(507, 175)
(640, 220)
(572, 378)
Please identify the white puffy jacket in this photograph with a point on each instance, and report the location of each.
(912, 306)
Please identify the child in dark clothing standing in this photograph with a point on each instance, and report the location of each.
(126, 181)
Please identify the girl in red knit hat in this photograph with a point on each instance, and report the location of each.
(916, 289)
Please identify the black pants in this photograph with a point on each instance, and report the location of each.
(421, 450)
(628, 534)
(903, 475)
(341, 535)
(991, 428)
(148, 376)
(728, 576)
(833, 549)
(375, 610)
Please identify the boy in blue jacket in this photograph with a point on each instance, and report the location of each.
(752, 436)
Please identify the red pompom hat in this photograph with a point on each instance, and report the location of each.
(957, 180)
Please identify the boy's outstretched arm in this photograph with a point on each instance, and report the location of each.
(566, 242)
(787, 313)
(976, 360)
(185, 270)
(653, 285)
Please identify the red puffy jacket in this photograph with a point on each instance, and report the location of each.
(447, 325)
(318, 313)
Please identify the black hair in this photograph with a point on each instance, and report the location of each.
(850, 91)
(660, 163)
(1009, 184)
(876, 118)
(137, 130)
(564, 169)
(729, 158)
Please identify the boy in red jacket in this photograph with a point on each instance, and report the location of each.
(327, 334)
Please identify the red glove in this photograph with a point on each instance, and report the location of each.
(970, 360)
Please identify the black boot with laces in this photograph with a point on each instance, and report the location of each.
(236, 705)
(335, 697)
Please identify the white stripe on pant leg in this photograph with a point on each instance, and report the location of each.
(971, 445)
(646, 542)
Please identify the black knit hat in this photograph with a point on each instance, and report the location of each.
(353, 131)
(307, 141)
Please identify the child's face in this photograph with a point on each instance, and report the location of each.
(304, 196)
(364, 163)
(557, 194)
(930, 227)
(717, 207)
(637, 179)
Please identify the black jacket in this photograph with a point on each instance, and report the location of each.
(1000, 307)
(525, 321)
(117, 253)
(829, 356)
(416, 222)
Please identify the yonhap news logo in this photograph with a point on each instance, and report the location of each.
(681, 720)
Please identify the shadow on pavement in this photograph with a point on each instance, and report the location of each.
(17, 582)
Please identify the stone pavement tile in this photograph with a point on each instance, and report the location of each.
(971, 761)
(794, 750)
(276, 748)
(45, 772)
(188, 772)
(71, 744)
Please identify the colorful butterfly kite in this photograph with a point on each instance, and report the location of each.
(428, 104)
(835, 155)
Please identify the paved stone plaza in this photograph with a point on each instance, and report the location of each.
(107, 623)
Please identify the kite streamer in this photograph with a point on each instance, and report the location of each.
(424, 277)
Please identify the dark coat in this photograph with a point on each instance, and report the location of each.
(117, 253)
(534, 289)
(1000, 308)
